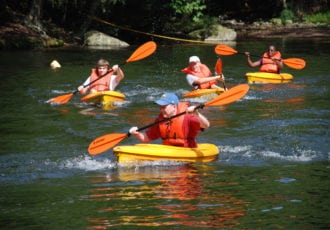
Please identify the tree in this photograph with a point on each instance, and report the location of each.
(189, 9)
(33, 19)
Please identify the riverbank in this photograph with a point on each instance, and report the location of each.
(18, 36)
(281, 31)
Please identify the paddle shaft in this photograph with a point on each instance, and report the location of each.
(295, 63)
(145, 50)
(142, 52)
(103, 75)
(166, 119)
(254, 55)
(105, 142)
(219, 72)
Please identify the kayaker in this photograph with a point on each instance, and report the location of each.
(269, 62)
(109, 79)
(199, 75)
(179, 131)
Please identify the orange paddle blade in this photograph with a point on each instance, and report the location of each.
(233, 94)
(224, 50)
(218, 66)
(143, 51)
(295, 63)
(105, 142)
(61, 99)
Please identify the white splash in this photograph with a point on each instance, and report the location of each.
(88, 163)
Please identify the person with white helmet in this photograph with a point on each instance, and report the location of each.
(199, 75)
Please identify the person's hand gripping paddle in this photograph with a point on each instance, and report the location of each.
(295, 63)
(218, 71)
(141, 52)
(106, 142)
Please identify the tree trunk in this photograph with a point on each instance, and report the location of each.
(35, 15)
(88, 19)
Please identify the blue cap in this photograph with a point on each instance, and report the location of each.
(168, 98)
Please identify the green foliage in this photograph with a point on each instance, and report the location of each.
(286, 15)
(319, 18)
(193, 9)
(21, 42)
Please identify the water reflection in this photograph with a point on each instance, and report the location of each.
(270, 87)
(161, 196)
(279, 99)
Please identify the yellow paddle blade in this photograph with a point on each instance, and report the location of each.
(224, 50)
(295, 63)
(105, 142)
(233, 94)
(61, 99)
(143, 51)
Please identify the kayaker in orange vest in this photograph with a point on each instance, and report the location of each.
(108, 79)
(199, 75)
(180, 131)
(269, 62)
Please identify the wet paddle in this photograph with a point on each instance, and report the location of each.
(295, 63)
(106, 142)
(218, 70)
(141, 52)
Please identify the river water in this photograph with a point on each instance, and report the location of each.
(272, 173)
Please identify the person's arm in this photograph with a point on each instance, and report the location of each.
(279, 63)
(203, 121)
(139, 135)
(250, 63)
(193, 80)
(82, 89)
(120, 74)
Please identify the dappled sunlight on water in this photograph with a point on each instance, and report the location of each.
(274, 145)
(174, 194)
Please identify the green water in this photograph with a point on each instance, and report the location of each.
(272, 173)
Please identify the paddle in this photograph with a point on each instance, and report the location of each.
(218, 70)
(141, 52)
(105, 142)
(295, 63)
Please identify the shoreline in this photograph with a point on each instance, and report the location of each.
(14, 35)
(292, 31)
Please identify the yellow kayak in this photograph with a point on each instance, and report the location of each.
(105, 98)
(151, 152)
(263, 77)
(202, 92)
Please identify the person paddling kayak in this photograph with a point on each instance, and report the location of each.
(269, 62)
(108, 79)
(179, 131)
(199, 75)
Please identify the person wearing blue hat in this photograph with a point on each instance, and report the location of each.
(179, 131)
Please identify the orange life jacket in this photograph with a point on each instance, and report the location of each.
(102, 84)
(268, 65)
(172, 131)
(205, 72)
